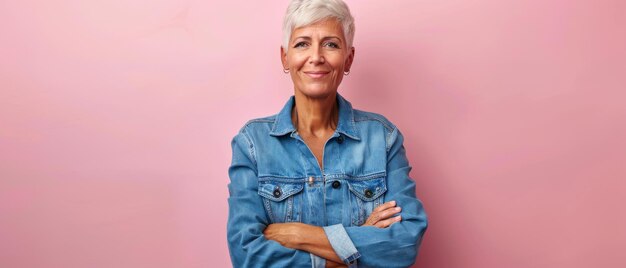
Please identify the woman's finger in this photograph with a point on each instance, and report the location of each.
(385, 214)
(380, 215)
(385, 206)
(386, 223)
(372, 219)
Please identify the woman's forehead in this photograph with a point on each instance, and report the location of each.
(326, 28)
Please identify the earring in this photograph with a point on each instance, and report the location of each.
(346, 73)
(286, 71)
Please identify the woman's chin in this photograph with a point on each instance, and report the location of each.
(318, 92)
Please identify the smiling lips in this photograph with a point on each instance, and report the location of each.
(316, 74)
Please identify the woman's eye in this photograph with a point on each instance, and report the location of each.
(332, 44)
(300, 44)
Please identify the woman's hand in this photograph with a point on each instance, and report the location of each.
(381, 216)
(332, 264)
(286, 234)
(303, 237)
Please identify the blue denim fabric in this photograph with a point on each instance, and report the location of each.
(274, 177)
(317, 261)
(342, 244)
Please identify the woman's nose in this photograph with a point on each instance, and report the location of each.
(316, 56)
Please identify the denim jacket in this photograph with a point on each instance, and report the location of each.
(275, 178)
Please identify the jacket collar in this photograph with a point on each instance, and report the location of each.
(345, 126)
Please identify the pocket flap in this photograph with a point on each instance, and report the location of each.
(368, 190)
(278, 191)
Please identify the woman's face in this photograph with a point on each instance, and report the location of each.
(317, 57)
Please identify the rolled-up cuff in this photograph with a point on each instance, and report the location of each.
(317, 261)
(342, 244)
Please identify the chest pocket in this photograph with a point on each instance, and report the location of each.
(282, 200)
(365, 195)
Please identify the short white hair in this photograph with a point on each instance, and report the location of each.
(306, 12)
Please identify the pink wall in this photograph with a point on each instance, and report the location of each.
(116, 118)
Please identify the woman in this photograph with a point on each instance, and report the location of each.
(321, 184)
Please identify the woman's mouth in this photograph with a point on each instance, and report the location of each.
(316, 74)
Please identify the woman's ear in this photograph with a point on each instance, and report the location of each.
(283, 58)
(349, 60)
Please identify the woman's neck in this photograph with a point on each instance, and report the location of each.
(315, 116)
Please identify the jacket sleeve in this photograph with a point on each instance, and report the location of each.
(398, 244)
(247, 218)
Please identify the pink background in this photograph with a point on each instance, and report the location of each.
(116, 118)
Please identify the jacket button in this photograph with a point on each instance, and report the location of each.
(336, 184)
(340, 139)
(368, 193)
(277, 193)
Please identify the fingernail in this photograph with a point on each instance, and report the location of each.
(393, 202)
(398, 208)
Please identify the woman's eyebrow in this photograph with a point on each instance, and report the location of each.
(323, 38)
(302, 37)
(331, 37)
